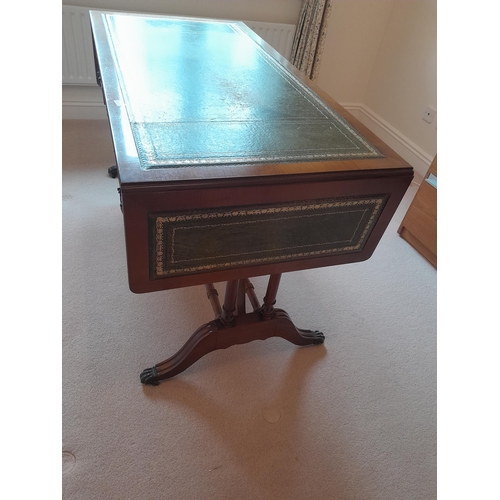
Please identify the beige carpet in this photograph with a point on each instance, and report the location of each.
(354, 418)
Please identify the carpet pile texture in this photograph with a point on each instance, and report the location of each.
(354, 418)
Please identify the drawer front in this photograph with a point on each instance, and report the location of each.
(194, 242)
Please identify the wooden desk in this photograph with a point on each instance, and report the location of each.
(233, 165)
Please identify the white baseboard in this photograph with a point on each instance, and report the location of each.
(82, 102)
(83, 111)
(413, 154)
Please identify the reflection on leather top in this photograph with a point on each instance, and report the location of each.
(204, 93)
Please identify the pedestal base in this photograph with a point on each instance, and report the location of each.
(228, 329)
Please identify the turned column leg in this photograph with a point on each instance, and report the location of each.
(270, 298)
(240, 301)
(213, 297)
(250, 291)
(228, 309)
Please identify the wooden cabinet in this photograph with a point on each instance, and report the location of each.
(419, 226)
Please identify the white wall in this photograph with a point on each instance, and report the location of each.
(354, 36)
(403, 80)
(380, 61)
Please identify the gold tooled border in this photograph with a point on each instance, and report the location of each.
(161, 271)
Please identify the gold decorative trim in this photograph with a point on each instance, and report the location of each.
(286, 210)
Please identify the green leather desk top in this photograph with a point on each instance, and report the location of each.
(204, 93)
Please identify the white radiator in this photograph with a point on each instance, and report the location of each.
(278, 36)
(78, 55)
(77, 51)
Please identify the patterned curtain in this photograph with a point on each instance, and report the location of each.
(310, 36)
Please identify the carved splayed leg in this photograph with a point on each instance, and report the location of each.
(286, 329)
(200, 343)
